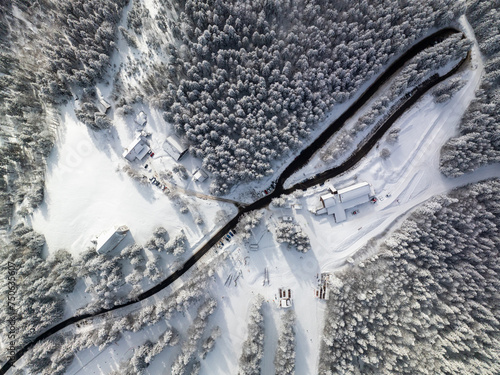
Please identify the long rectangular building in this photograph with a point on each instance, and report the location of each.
(359, 190)
(336, 202)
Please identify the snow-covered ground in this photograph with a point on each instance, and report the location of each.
(85, 194)
(317, 164)
(409, 176)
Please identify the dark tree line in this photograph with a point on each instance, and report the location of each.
(479, 140)
(187, 360)
(87, 111)
(252, 78)
(26, 135)
(136, 16)
(144, 354)
(428, 302)
(209, 343)
(79, 51)
(248, 222)
(444, 91)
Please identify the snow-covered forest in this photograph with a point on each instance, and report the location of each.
(417, 70)
(41, 283)
(479, 140)
(244, 86)
(251, 79)
(427, 302)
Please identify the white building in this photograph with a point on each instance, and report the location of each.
(141, 119)
(174, 148)
(360, 191)
(108, 240)
(136, 150)
(200, 175)
(336, 202)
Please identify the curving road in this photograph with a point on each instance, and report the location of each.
(296, 164)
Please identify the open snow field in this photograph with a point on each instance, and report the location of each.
(86, 194)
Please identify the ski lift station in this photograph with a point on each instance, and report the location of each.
(174, 148)
(336, 202)
(110, 239)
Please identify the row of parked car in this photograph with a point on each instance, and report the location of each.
(157, 183)
(270, 189)
(227, 237)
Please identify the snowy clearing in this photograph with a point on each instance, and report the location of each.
(86, 194)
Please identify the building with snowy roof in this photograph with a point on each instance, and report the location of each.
(200, 175)
(360, 191)
(136, 150)
(141, 119)
(110, 239)
(336, 202)
(102, 104)
(174, 148)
